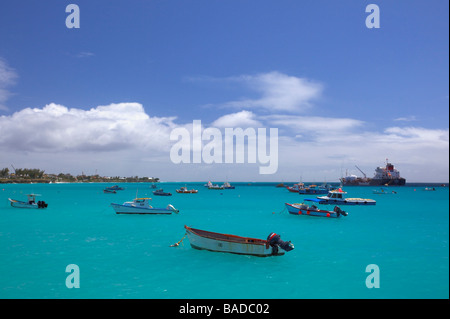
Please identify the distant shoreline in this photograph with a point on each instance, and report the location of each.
(41, 181)
(49, 181)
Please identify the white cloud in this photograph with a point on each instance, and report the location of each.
(8, 77)
(275, 91)
(84, 54)
(279, 92)
(241, 119)
(313, 125)
(410, 118)
(419, 134)
(104, 128)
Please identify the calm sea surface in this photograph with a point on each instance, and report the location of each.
(128, 256)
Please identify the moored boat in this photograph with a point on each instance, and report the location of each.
(161, 192)
(185, 190)
(314, 189)
(387, 175)
(383, 191)
(338, 197)
(109, 191)
(227, 185)
(115, 188)
(303, 209)
(142, 206)
(214, 186)
(295, 188)
(273, 246)
(30, 203)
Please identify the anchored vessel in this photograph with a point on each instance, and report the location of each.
(30, 203)
(161, 192)
(202, 239)
(303, 209)
(184, 190)
(114, 188)
(142, 206)
(387, 175)
(337, 197)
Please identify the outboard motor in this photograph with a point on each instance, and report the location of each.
(275, 241)
(338, 211)
(42, 204)
(172, 208)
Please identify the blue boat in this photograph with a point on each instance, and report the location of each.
(314, 189)
(227, 185)
(114, 188)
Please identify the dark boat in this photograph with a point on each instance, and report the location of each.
(160, 192)
(388, 176)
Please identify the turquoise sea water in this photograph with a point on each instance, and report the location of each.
(128, 256)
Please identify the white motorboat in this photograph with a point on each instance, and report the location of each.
(30, 203)
(142, 206)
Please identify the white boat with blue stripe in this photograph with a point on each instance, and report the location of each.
(142, 206)
(337, 197)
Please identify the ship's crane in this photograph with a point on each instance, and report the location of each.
(361, 171)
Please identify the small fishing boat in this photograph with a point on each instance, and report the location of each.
(30, 203)
(184, 190)
(314, 189)
(161, 192)
(214, 186)
(202, 239)
(383, 191)
(303, 209)
(142, 206)
(295, 188)
(115, 188)
(337, 197)
(227, 185)
(429, 189)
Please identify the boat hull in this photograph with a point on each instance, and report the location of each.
(387, 181)
(21, 204)
(162, 194)
(312, 191)
(375, 182)
(224, 243)
(297, 210)
(348, 201)
(126, 209)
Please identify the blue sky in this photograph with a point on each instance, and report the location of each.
(181, 61)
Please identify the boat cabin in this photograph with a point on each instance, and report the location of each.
(142, 202)
(32, 198)
(336, 194)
